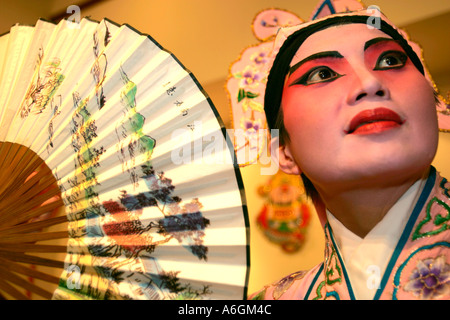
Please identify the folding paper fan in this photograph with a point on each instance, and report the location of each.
(111, 148)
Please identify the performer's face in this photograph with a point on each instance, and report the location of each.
(355, 106)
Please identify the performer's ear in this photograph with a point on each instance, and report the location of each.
(287, 162)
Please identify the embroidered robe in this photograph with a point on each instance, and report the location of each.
(419, 267)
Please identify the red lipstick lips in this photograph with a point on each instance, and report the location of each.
(374, 121)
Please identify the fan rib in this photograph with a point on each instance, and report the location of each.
(26, 247)
(33, 226)
(9, 289)
(26, 202)
(20, 257)
(11, 185)
(7, 149)
(15, 279)
(26, 212)
(18, 268)
(32, 237)
(41, 180)
(13, 168)
(28, 191)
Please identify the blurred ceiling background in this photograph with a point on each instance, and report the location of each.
(208, 35)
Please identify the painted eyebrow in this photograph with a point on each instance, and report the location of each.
(319, 55)
(373, 41)
(335, 54)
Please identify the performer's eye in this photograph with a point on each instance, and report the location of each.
(391, 60)
(317, 75)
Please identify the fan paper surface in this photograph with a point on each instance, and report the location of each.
(152, 195)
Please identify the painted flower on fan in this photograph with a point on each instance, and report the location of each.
(251, 77)
(160, 187)
(126, 230)
(188, 227)
(430, 279)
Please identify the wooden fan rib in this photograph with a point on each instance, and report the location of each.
(22, 186)
(23, 199)
(29, 161)
(40, 176)
(6, 174)
(22, 159)
(20, 257)
(8, 151)
(9, 289)
(32, 248)
(33, 226)
(9, 160)
(13, 278)
(13, 209)
(21, 269)
(25, 213)
(23, 203)
(14, 188)
(19, 163)
(41, 189)
(32, 237)
(4, 150)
